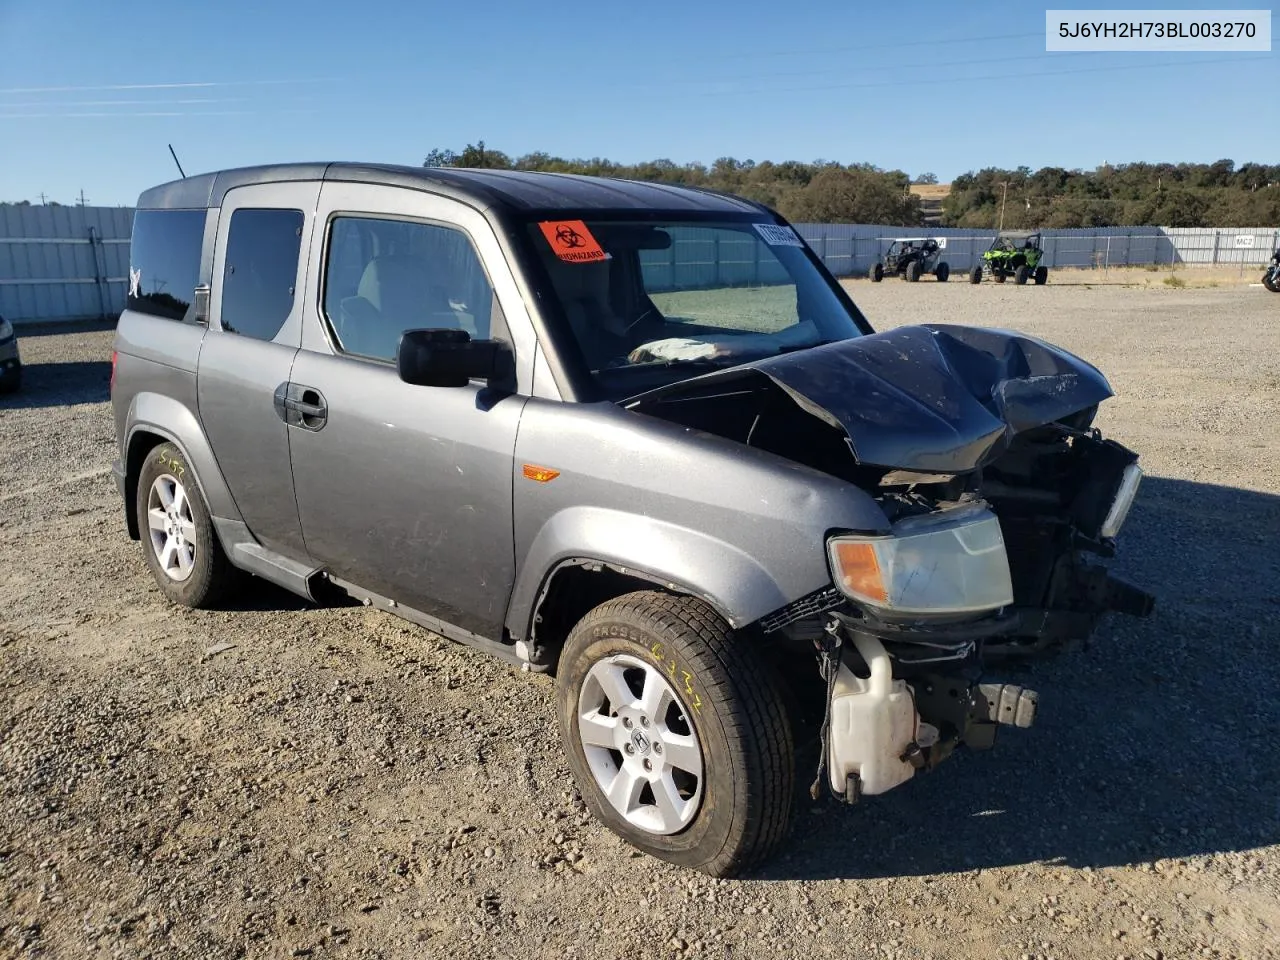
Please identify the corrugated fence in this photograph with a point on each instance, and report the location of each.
(71, 263)
(851, 249)
(63, 263)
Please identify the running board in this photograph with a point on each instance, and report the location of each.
(503, 651)
(246, 553)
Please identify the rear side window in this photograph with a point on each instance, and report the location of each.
(164, 261)
(261, 271)
(383, 277)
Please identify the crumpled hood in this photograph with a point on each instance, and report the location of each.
(930, 398)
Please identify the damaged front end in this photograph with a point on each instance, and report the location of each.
(1000, 498)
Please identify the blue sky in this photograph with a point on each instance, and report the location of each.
(90, 95)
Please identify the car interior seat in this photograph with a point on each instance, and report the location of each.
(601, 332)
(395, 293)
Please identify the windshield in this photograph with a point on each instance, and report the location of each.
(652, 303)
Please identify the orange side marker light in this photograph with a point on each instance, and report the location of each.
(860, 570)
(540, 474)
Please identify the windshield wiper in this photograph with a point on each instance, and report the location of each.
(792, 348)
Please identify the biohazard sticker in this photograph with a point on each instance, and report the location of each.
(572, 241)
(778, 236)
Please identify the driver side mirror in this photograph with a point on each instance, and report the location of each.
(450, 358)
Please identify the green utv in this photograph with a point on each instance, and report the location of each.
(1014, 254)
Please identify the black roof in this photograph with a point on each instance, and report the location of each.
(513, 191)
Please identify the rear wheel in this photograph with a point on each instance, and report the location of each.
(676, 732)
(999, 274)
(1269, 280)
(178, 539)
(877, 273)
(1021, 274)
(975, 275)
(942, 272)
(913, 271)
(1042, 276)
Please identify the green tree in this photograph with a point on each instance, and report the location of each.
(440, 158)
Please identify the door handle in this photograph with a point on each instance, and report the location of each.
(308, 409)
(302, 406)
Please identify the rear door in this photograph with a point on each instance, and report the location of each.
(255, 323)
(406, 490)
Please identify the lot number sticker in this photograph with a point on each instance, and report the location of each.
(572, 241)
(778, 236)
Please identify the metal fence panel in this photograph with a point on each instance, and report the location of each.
(64, 263)
(851, 249)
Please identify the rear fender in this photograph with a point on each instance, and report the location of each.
(155, 415)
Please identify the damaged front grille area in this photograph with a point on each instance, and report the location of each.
(820, 601)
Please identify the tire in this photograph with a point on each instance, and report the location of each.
(1269, 281)
(913, 271)
(877, 273)
(1021, 275)
(1042, 276)
(1000, 275)
(735, 812)
(942, 272)
(975, 275)
(191, 567)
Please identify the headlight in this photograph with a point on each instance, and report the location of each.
(949, 562)
(1124, 500)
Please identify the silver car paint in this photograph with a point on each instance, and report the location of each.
(155, 393)
(407, 490)
(742, 528)
(237, 380)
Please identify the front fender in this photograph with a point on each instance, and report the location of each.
(739, 586)
(169, 418)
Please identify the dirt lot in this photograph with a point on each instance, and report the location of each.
(340, 784)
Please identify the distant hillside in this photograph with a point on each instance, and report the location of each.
(931, 197)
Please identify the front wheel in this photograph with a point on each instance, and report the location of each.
(1042, 276)
(676, 733)
(1021, 275)
(1269, 281)
(975, 275)
(942, 272)
(913, 271)
(877, 273)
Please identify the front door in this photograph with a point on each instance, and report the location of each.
(404, 490)
(255, 326)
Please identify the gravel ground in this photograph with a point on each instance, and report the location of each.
(336, 783)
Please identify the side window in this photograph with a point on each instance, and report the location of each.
(164, 261)
(261, 270)
(383, 277)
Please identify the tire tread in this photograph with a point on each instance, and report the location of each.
(756, 722)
